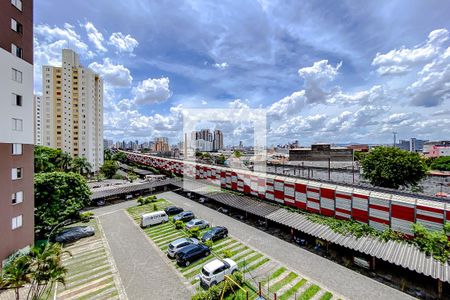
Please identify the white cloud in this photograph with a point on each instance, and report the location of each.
(116, 75)
(316, 79)
(67, 33)
(221, 66)
(151, 91)
(95, 36)
(123, 43)
(204, 102)
(287, 106)
(400, 61)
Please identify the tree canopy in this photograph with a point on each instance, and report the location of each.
(392, 167)
(441, 163)
(58, 197)
(109, 168)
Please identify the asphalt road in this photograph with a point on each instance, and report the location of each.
(143, 269)
(328, 274)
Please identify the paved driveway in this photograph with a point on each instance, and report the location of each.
(144, 272)
(334, 277)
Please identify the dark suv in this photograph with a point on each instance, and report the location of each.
(191, 253)
(215, 233)
(184, 216)
(172, 210)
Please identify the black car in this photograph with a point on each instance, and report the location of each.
(173, 210)
(215, 233)
(73, 234)
(191, 253)
(184, 216)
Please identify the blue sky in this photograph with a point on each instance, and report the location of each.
(325, 71)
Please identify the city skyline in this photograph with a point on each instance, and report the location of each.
(321, 83)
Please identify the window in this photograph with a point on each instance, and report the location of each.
(17, 4)
(16, 75)
(17, 149)
(17, 197)
(16, 222)
(17, 124)
(17, 51)
(16, 26)
(17, 99)
(16, 173)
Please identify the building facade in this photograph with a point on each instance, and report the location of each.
(161, 144)
(16, 123)
(218, 140)
(436, 149)
(72, 109)
(37, 120)
(321, 152)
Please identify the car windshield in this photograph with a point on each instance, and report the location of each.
(171, 246)
(206, 273)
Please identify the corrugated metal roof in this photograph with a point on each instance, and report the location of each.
(398, 253)
(118, 190)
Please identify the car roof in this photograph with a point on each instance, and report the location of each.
(189, 247)
(194, 220)
(186, 212)
(214, 265)
(179, 241)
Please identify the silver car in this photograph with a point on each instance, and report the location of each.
(200, 224)
(179, 244)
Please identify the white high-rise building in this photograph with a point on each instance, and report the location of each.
(72, 109)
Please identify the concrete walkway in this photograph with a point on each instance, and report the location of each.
(144, 272)
(326, 273)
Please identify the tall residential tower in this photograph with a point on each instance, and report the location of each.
(16, 123)
(72, 109)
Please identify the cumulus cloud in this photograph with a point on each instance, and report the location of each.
(95, 36)
(221, 66)
(288, 105)
(400, 61)
(116, 75)
(66, 33)
(150, 91)
(316, 78)
(123, 43)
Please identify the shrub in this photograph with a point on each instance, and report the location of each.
(86, 216)
(117, 176)
(141, 200)
(194, 232)
(209, 243)
(179, 224)
(227, 253)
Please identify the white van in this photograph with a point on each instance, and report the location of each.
(154, 218)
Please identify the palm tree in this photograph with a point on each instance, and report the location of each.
(64, 161)
(81, 165)
(46, 269)
(42, 163)
(16, 274)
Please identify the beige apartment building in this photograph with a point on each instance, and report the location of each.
(72, 109)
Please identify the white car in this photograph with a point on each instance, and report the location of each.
(214, 272)
(200, 224)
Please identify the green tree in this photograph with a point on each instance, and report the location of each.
(42, 163)
(58, 197)
(441, 163)
(16, 274)
(64, 161)
(81, 165)
(220, 160)
(132, 177)
(392, 167)
(107, 154)
(237, 153)
(120, 156)
(109, 168)
(46, 269)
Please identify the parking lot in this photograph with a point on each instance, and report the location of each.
(256, 266)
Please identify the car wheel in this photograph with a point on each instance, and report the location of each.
(225, 235)
(234, 271)
(187, 263)
(207, 253)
